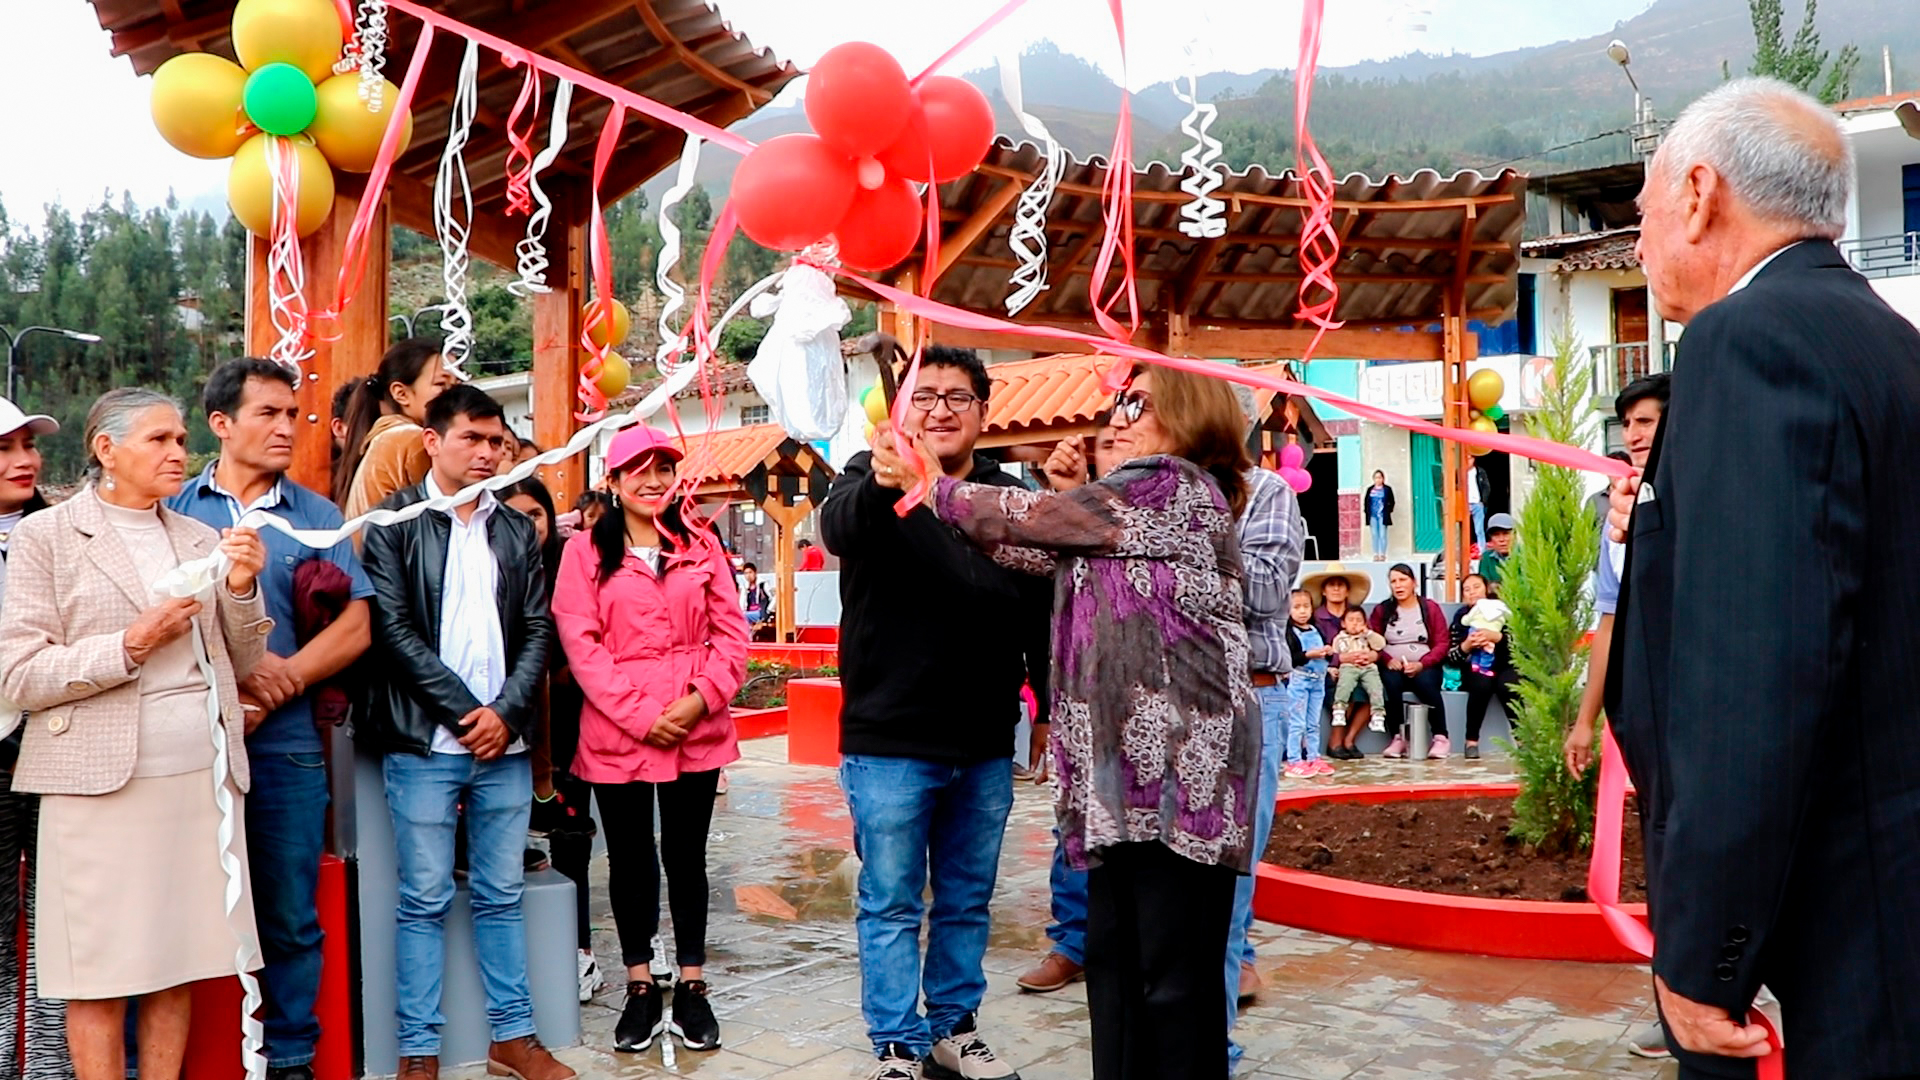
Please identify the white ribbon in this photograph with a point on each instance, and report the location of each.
(367, 52)
(286, 270)
(453, 224)
(1203, 216)
(672, 342)
(532, 248)
(197, 579)
(1028, 236)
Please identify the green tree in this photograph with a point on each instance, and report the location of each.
(1545, 585)
(502, 331)
(1802, 60)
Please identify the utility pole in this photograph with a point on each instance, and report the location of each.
(1646, 143)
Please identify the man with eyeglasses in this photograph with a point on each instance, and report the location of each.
(935, 642)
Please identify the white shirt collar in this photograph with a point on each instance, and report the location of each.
(1746, 279)
(274, 497)
(481, 506)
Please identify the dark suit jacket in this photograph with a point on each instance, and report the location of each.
(1778, 752)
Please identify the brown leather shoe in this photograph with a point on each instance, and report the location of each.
(419, 1068)
(526, 1059)
(1050, 974)
(1250, 983)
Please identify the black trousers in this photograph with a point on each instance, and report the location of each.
(634, 865)
(44, 1057)
(1425, 686)
(1156, 932)
(1481, 690)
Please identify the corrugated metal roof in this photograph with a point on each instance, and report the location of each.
(679, 52)
(1403, 244)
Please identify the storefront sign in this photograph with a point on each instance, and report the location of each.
(1417, 389)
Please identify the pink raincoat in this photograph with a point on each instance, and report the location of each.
(637, 643)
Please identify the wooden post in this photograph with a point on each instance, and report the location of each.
(897, 322)
(362, 328)
(557, 354)
(785, 520)
(1454, 414)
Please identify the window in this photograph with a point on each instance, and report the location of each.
(755, 414)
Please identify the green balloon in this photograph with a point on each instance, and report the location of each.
(1494, 413)
(280, 99)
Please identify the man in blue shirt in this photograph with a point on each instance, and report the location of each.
(251, 409)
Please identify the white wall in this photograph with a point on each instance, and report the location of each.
(1389, 450)
(1902, 294)
(1880, 149)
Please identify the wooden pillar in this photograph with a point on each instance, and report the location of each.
(1178, 340)
(1454, 405)
(362, 328)
(896, 322)
(557, 355)
(785, 520)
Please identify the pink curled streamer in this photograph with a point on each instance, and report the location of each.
(1319, 240)
(520, 139)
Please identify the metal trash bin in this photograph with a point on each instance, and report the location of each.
(1419, 730)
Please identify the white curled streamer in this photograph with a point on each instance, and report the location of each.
(582, 441)
(286, 270)
(532, 248)
(1028, 237)
(671, 341)
(367, 53)
(1202, 216)
(197, 579)
(452, 224)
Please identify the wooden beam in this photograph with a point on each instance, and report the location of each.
(1182, 295)
(956, 243)
(362, 327)
(557, 354)
(538, 32)
(696, 63)
(1356, 243)
(1268, 343)
(1273, 278)
(1409, 206)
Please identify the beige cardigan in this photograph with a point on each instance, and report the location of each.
(72, 592)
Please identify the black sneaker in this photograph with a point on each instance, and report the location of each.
(535, 860)
(290, 1072)
(641, 1021)
(693, 1018)
(896, 1063)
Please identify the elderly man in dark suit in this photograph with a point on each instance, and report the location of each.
(1769, 604)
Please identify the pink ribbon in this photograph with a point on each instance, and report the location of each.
(520, 139)
(1319, 240)
(593, 403)
(978, 32)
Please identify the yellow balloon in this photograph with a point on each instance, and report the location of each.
(304, 33)
(346, 132)
(1484, 389)
(1484, 425)
(615, 373)
(613, 327)
(875, 402)
(250, 186)
(196, 104)
(871, 432)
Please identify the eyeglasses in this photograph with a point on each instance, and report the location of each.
(1131, 404)
(958, 401)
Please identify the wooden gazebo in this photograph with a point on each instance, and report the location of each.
(1421, 255)
(679, 52)
(781, 475)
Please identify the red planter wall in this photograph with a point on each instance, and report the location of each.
(813, 722)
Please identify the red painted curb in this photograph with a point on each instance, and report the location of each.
(795, 655)
(759, 723)
(1523, 929)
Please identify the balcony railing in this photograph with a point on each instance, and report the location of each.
(1614, 366)
(1884, 256)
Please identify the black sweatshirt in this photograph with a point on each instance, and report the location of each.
(935, 638)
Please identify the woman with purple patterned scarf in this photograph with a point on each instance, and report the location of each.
(1156, 733)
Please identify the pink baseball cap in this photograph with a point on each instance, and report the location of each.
(636, 442)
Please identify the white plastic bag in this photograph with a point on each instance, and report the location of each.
(798, 369)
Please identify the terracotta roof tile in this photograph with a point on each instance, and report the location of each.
(1060, 391)
(726, 456)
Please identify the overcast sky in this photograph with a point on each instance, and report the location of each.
(74, 124)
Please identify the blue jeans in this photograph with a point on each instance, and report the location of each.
(1069, 889)
(1479, 513)
(911, 817)
(286, 831)
(1379, 537)
(1306, 693)
(498, 796)
(1274, 703)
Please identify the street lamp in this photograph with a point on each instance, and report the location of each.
(1646, 140)
(13, 342)
(408, 321)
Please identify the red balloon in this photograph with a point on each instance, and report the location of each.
(858, 99)
(883, 226)
(792, 190)
(956, 117)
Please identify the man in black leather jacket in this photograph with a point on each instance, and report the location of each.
(460, 616)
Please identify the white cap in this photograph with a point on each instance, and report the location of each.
(12, 420)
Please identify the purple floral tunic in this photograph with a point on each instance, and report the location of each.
(1156, 730)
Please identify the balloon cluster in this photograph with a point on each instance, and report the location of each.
(608, 323)
(874, 136)
(1293, 468)
(1484, 391)
(283, 87)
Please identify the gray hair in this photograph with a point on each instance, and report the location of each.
(113, 416)
(1249, 406)
(1781, 152)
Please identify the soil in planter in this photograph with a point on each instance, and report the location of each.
(768, 689)
(1456, 846)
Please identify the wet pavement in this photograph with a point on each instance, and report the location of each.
(783, 965)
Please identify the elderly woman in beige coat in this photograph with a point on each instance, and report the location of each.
(120, 694)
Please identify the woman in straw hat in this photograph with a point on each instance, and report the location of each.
(1335, 589)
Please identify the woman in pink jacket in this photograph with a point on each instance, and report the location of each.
(653, 629)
